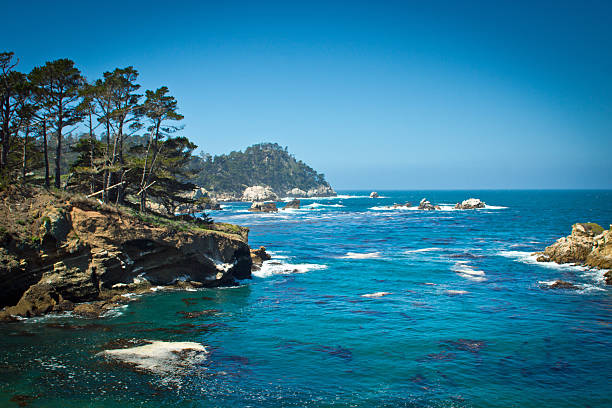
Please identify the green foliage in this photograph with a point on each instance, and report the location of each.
(593, 227)
(261, 164)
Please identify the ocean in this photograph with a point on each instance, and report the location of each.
(362, 305)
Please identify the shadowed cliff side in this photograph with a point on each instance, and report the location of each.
(59, 249)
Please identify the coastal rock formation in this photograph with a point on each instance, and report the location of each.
(259, 206)
(470, 204)
(88, 252)
(258, 256)
(296, 192)
(427, 206)
(259, 193)
(588, 244)
(295, 204)
(407, 205)
(322, 190)
(374, 194)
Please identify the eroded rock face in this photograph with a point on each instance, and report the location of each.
(588, 244)
(263, 207)
(470, 204)
(259, 193)
(88, 253)
(295, 204)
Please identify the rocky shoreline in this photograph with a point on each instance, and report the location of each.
(67, 253)
(589, 244)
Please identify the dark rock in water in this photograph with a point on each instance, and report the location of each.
(259, 256)
(374, 194)
(295, 204)
(542, 258)
(258, 206)
(427, 206)
(608, 277)
(407, 205)
(37, 300)
(470, 204)
(559, 284)
(90, 310)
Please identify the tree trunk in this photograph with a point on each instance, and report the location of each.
(47, 182)
(58, 151)
(25, 155)
(5, 135)
(91, 154)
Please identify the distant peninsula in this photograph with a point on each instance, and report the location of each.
(264, 171)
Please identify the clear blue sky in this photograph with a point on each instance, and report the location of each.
(377, 95)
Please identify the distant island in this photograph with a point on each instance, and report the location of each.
(264, 171)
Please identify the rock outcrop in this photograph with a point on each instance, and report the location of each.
(259, 206)
(293, 204)
(296, 192)
(322, 190)
(588, 244)
(258, 257)
(88, 252)
(259, 193)
(470, 204)
(374, 194)
(427, 206)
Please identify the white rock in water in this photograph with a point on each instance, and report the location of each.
(321, 191)
(296, 192)
(259, 193)
(373, 194)
(470, 204)
(161, 357)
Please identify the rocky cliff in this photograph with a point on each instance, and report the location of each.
(588, 244)
(58, 250)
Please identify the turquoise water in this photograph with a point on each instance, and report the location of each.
(467, 321)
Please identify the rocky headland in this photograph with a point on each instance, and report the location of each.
(62, 252)
(588, 244)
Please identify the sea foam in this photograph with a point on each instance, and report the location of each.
(275, 267)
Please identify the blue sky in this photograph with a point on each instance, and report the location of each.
(376, 95)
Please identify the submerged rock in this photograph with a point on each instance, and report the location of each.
(263, 207)
(374, 194)
(295, 204)
(470, 204)
(259, 193)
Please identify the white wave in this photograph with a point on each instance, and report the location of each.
(456, 292)
(338, 197)
(531, 259)
(274, 267)
(376, 294)
(392, 208)
(414, 251)
(318, 205)
(464, 270)
(494, 207)
(357, 255)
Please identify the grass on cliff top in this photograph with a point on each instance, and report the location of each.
(595, 228)
(22, 210)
